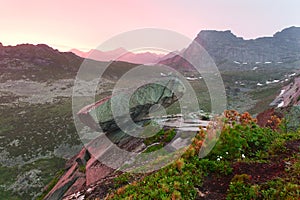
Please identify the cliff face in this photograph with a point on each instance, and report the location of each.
(224, 46)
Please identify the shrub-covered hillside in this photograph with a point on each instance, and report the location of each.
(247, 162)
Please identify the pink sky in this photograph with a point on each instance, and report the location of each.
(66, 24)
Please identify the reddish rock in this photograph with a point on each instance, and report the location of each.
(85, 169)
(96, 171)
(76, 186)
(64, 183)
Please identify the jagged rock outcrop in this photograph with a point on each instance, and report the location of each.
(85, 168)
(140, 103)
(73, 179)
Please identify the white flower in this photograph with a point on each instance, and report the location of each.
(226, 152)
(243, 156)
(219, 158)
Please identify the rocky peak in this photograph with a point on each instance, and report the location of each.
(288, 33)
(224, 46)
(217, 36)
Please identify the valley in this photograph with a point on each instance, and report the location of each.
(37, 131)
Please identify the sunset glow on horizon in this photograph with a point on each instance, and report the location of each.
(72, 24)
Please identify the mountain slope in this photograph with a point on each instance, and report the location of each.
(224, 46)
(36, 62)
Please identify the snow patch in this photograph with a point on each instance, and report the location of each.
(77, 196)
(293, 74)
(281, 92)
(191, 78)
(280, 104)
(274, 81)
(236, 62)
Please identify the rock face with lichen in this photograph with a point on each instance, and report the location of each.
(139, 103)
(85, 169)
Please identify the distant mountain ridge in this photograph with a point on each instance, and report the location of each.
(120, 54)
(224, 46)
(39, 61)
(43, 63)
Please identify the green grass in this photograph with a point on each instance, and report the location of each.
(42, 127)
(48, 167)
(162, 137)
(39, 129)
(263, 97)
(50, 185)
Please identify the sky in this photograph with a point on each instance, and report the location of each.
(66, 24)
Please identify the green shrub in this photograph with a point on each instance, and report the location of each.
(279, 189)
(81, 169)
(242, 141)
(161, 137)
(241, 190)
